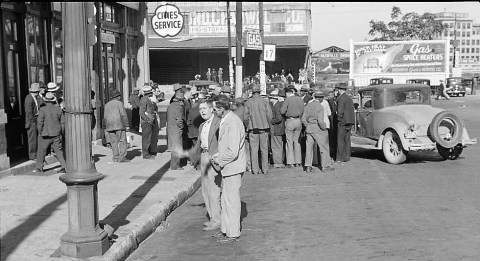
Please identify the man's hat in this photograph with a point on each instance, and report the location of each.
(304, 88)
(51, 87)
(318, 94)
(114, 94)
(226, 88)
(49, 97)
(193, 91)
(34, 87)
(177, 86)
(281, 93)
(147, 89)
(341, 85)
(291, 88)
(202, 94)
(256, 88)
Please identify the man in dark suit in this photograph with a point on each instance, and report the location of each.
(277, 136)
(205, 147)
(345, 121)
(149, 123)
(175, 126)
(33, 102)
(51, 125)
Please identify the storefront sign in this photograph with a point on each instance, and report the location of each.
(269, 52)
(400, 57)
(252, 40)
(108, 38)
(167, 20)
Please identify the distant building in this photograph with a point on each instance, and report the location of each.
(203, 40)
(464, 36)
(331, 60)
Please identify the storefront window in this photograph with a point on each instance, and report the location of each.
(37, 51)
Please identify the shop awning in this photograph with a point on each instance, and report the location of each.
(297, 41)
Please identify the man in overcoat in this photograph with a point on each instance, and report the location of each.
(175, 125)
(345, 121)
(205, 147)
(277, 137)
(149, 123)
(33, 102)
(116, 126)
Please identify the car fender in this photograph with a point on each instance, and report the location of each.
(399, 128)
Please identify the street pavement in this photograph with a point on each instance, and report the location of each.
(424, 209)
(134, 199)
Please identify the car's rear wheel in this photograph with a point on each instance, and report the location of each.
(450, 153)
(392, 148)
(446, 129)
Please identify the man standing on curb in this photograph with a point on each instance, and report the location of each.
(116, 125)
(258, 115)
(149, 123)
(231, 160)
(206, 146)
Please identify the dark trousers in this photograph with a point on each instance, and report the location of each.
(135, 118)
(43, 143)
(149, 138)
(343, 143)
(32, 140)
(332, 138)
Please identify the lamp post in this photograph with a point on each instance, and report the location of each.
(84, 237)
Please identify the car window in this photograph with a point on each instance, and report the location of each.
(410, 97)
(366, 100)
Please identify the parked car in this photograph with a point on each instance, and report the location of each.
(423, 81)
(272, 85)
(377, 81)
(202, 84)
(398, 118)
(457, 86)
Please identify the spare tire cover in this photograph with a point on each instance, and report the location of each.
(446, 129)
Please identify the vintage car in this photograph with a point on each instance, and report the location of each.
(275, 85)
(377, 81)
(202, 84)
(456, 85)
(398, 118)
(423, 81)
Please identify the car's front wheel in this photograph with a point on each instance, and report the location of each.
(392, 148)
(450, 153)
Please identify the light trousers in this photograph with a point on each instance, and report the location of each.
(231, 205)
(321, 138)
(211, 182)
(293, 127)
(118, 140)
(258, 141)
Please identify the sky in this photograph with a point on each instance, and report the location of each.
(335, 23)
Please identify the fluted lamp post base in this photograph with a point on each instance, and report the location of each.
(84, 238)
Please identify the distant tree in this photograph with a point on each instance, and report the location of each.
(410, 26)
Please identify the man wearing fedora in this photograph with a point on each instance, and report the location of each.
(33, 102)
(194, 119)
(316, 130)
(51, 126)
(345, 120)
(149, 123)
(293, 108)
(257, 117)
(116, 125)
(134, 101)
(175, 125)
(277, 137)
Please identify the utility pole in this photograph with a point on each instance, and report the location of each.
(455, 41)
(84, 237)
(239, 58)
(263, 83)
(230, 62)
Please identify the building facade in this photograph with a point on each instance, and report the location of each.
(203, 41)
(464, 35)
(32, 51)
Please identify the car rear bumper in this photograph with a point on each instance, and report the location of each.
(469, 142)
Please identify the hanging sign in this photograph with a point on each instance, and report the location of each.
(167, 20)
(252, 40)
(269, 52)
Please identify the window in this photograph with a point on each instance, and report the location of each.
(468, 34)
(473, 50)
(468, 25)
(36, 28)
(277, 22)
(467, 50)
(468, 42)
(463, 34)
(109, 12)
(463, 42)
(463, 50)
(463, 25)
(366, 100)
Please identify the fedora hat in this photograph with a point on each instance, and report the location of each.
(114, 94)
(51, 87)
(34, 87)
(176, 87)
(147, 89)
(256, 88)
(304, 88)
(202, 94)
(49, 97)
(318, 94)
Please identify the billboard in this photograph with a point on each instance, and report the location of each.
(421, 56)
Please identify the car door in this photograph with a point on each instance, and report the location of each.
(364, 115)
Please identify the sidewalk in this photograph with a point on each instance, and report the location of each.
(134, 198)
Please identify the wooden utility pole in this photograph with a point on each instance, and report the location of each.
(238, 65)
(263, 83)
(230, 62)
(84, 237)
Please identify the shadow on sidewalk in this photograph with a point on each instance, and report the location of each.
(14, 237)
(118, 217)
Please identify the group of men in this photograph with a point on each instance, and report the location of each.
(45, 124)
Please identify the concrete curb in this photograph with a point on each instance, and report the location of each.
(147, 223)
(25, 167)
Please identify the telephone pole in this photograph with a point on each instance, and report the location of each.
(230, 62)
(239, 58)
(263, 83)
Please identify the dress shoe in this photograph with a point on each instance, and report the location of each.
(265, 172)
(227, 239)
(37, 170)
(123, 160)
(328, 169)
(290, 166)
(62, 170)
(298, 165)
(211, 227)
(308, 169)
(219, 234)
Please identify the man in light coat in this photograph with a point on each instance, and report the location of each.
(116, 126)
(205, 147)
(231, 161)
